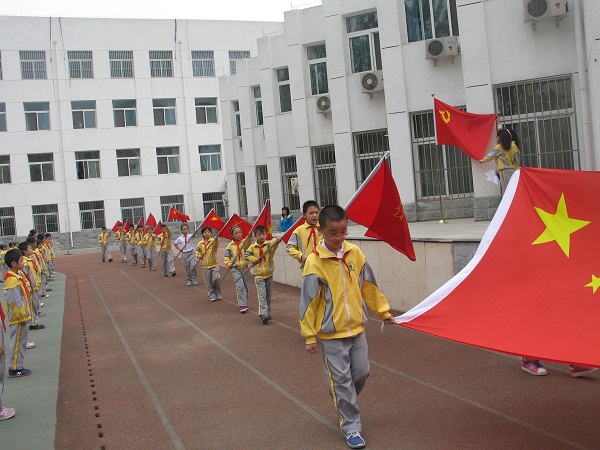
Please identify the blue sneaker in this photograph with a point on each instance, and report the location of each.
(18, 373)
(355, 440)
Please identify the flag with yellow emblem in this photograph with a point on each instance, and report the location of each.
(532, 288)
(264, 219)
(467, 131)
(212, 220)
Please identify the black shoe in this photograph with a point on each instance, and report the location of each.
(265, 319)
(173, 274)
(110, 260)
(19, 373)
(37, 327)
(166, 275)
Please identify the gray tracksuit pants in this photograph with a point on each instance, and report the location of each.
(212, 279)
(241, 285)
(123, 248)
(106, 252)
(18, 343)
(189, 266)
(168, 265)
(264, 287)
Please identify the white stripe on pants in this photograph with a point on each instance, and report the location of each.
(167, 261)
(346, 364)
(151, 258)
(264, 287)
(18, 343)
(106, 252)
(212, 279)
(189, 266)
(123, 248)
(241, 285)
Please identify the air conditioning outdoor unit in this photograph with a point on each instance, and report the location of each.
(536, 10)
(371, 82)
(225, 199)
(446, 47)
(294, 185)
(323, 104)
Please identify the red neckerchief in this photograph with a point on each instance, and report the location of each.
(206, 243)
(34, 264)
(2, 317)
(313, 235)
(239, 252)
(335, 258)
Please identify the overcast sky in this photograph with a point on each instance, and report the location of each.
(267, 10)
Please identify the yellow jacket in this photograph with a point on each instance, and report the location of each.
(333, 289)
(34, 270)
(104, 238)
(165, 241)
(208, 252)
(303, 240)
(266, 266)
(234, 253)
(40, 259)
(16, 294)
(121, 235)
(150, 240)
(505, 158)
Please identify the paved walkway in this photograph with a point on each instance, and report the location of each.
(149, 363)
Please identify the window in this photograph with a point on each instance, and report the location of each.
(128, 162)
(37, 115)
(289, 171)
(132, 209)
(4, 169)
(317, 68)
(447, 162)
(206, 110)
(238, 122)
(285, 96)
(161, 63)
(124, 113)
(262, 183)
(203, 63)
(369, 148)
(234, 56)
(427, 19)
(167, 159)
(164, 111)
(87, 164)
(7, 221)
(33, 65)
(41, 166)
(214, 200)
(91, 215)
(45, 218)
(121, 63)
(241, 189)
(170, 201)
(324, 175)
(84, 114)
(210, 157)
(257, 105)
(542, 115)
(2, 116)
(80, 64)
(365, 51)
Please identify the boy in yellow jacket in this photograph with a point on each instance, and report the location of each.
(337, 281)
(34, 275)
(260, 258)
(150, 240)
(306, 236)
(104, 241)
(165, 243)
(234, 259)
(207, 253)
(16, 294)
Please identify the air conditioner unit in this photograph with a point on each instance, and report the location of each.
(536, 10)
(323, 104)
(371, 82)
(225, 199)
(446, 47)
(294, 185)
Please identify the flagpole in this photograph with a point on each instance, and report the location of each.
(366, 180)
(439, 177)
(195, 232)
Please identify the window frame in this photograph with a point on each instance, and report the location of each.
(84, 114)
(3, 124)
(237, 118)
(365, 162)
(324, 170)
(289, 170)
(258, 111)
(234, 56)
(81, 64)
(5, 177)
(171, 201)
(316, 64)
(213, 200)
(168, 111)
(210, 161)
(33, 63)
(38, 114)
(282, 78)
(7, 221)
(168, 160)
(262, 184)
(373, 46)
(203, 63)
(121, 64)
(131, 161)
(119, 109)
(161, 63)
(46, 224)
(421, 23)
(88, 164)
(95, 210)
(45, 166)
(203, 106)
(240, 178)
(132, 209)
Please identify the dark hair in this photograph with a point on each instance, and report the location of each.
(506, 137)
(23, 246)
(2, 246)
(260, 229)
(48, 235)
(184, 224)
(205, 228)
(12, 256)
(31, 240)
(332, 213)
(287, 210)
(307, 204)
(233, 228)
(103, 228)
(32, 231)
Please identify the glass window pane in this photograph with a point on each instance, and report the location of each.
(361, 22)
(123, 167)
(211, 115)
(170, 116)
(162, 165)
(283, 74)
(134, 167)
(360, 53)
(159, 116)
(130, 118)
(90, 119)
(174, 165)
(48, 172)
(119, 117)
(285, 98)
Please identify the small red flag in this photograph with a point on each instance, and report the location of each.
(377, 206)
(213, 220)
(233, 221)
(469, 132)
(158, 229)
(288, 234)
(141, 222)
(542, 249)
(264, 219)
(116, 227)
(127, 225)
(177, 215)
(151, 221)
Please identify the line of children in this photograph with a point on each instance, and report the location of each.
(207, 253)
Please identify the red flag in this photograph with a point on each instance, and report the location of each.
(225, 231)
(264, 219)
(158, 229)
(212, 220)
(469, 132)
(116, 227)
(177, 215)
(532, 286)
(127, 225)
(151, 221)
(285, 237)
(141, 222)
(377, 206)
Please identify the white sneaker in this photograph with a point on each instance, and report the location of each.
(188, 283)
(195, 282)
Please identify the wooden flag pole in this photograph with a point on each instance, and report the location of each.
(439, 171)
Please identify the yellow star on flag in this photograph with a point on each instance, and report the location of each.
(594, 284)
(559, 226)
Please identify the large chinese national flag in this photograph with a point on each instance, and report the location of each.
(467, 131)
(377, 206)
(532, 288)
(212, 220)
(116, 226)
(235, 220)
(264, 219)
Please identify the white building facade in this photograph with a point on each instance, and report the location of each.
(311, 114)
(112, 119)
